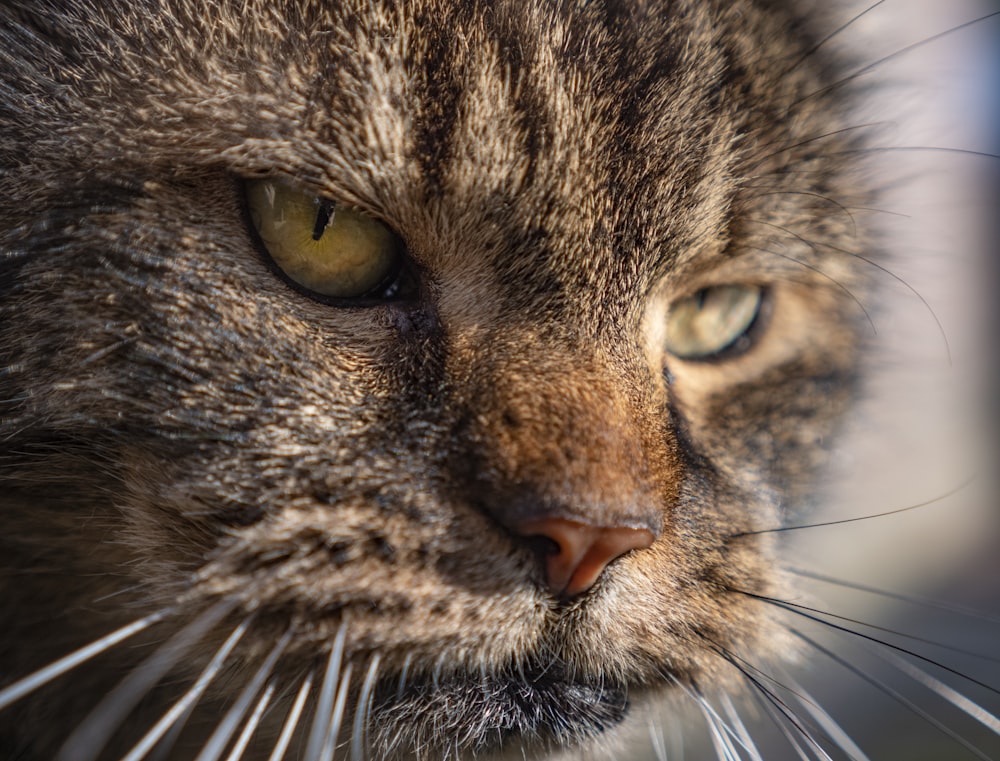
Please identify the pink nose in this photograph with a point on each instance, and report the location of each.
(581, 551)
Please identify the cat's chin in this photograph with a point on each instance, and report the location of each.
(542, 707)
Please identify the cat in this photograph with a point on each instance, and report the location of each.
(420, 380)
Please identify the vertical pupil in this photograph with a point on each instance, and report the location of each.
(323, 216)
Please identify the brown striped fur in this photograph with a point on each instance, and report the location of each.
(178, 426)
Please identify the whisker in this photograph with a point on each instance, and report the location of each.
(887, 212)
(902, 281)
(439, 667)
(780, 705)
(713, 717)
(338, 716)
(163, 751)
(801, 610)
(363, 710)
(758, 160)
(292, 722)
(129, 589)
(88, 739)
(819, 271)
(820, 197)
(324, 707)
(951, 492)
(735, 721)
(733, 658)
(722, 733)
(899, 698)
(953, 696)
(403, 674)
(867, 68)
(519, 667)
(217, 742)
(251, 726)
(719, 740)
(25, 686)
(925, 602)
(657, 739)
(873, 149)
(831, 35)
(827, 723)
(189, 698)
(780, 722)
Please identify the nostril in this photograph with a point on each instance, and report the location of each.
(542, 546)
(575, 554)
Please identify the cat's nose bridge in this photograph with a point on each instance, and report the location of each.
(573, 448)
(572, 459)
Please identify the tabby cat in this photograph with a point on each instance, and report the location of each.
(418, 379)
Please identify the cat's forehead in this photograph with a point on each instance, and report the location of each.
(547, 147)
(509, 133)
(496, 131)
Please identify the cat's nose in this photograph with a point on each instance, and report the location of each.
(577, 553)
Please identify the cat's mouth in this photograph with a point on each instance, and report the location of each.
(543, 705)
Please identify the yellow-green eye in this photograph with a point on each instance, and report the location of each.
(330, 250)
(713, 320)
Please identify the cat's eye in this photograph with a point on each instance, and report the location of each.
(712, 322)
(329, 250)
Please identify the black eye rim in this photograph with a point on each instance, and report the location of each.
(401, 286)
(745, 341)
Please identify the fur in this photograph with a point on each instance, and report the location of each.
(179, 427)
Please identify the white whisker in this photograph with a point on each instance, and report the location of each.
(779, 722)
(292, 722)
(719, 740)
(657, 739)
(741, 730)
(189, 698)
(338, 715)
(724, 749)
(324, 707)
(87, 740)
(363, 710)
(244, 739)
(714, 733)
(403, 674)
(439, 667)
(163, 751)
(715, 721)
(894, 694)
(953, 696)
(828, 724)
(14, 692)
(779, 710)
(676, 736)
(917, 600)
(217, 742)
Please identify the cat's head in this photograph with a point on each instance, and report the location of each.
(516, 455)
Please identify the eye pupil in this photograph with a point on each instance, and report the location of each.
(324, 216)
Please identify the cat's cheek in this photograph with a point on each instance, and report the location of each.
(410, 593)
(672, 609)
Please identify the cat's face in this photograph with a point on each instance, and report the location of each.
(622, 299)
